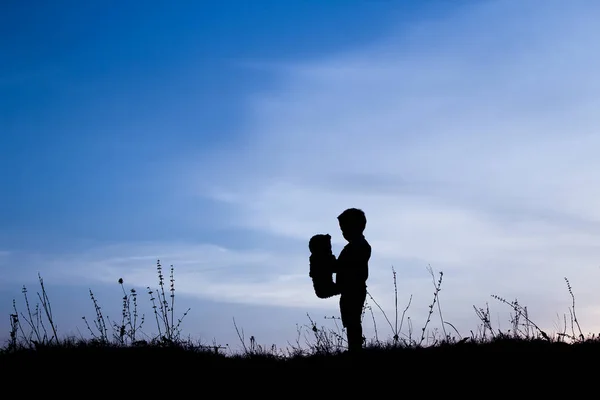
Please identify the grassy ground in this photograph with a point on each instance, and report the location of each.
(112, 346)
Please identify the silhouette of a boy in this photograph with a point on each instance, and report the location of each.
(352, 272)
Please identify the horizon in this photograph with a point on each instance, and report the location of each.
(218, 137)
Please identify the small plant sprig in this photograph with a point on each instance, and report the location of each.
(47, 309)
(572, 312)
(326, 341)
(15, 325)
(168, 331)
(126, 331)
(396, 329)
(437, 288)
(39, 323)
(254, 349)
(484, 316)
(99, 322)
(520, 311)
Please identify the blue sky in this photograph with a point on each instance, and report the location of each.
(220, 136)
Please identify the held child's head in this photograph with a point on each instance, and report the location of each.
(352, 223)
(320, 244)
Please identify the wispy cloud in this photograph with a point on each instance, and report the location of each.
(205, 271)
(470, 145)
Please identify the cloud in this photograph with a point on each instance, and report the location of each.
(203, 271)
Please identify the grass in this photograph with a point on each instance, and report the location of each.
(34, 344)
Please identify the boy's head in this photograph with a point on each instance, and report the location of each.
(352, 223)
(320, 244)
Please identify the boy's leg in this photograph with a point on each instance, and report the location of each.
(351, 305)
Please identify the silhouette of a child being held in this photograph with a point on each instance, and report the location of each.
(352, 272)
(322, 264)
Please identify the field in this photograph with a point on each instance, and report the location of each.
(119, 348)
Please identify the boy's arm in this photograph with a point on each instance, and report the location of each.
(338, 263)
(334, 264)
